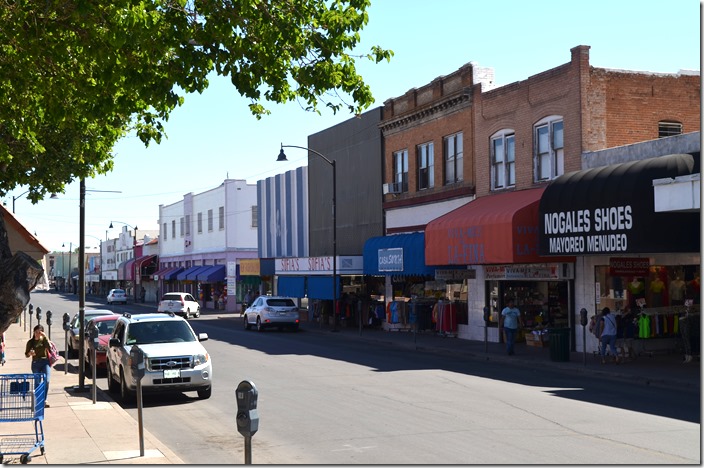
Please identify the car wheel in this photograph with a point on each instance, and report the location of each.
(125, 393)
(205, 393)
(112, 383)
(259, 324)
(187, 315)
(247, 325)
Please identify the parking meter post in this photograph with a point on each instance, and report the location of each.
(31, 311)
(93, 336)
(137, 363)
(246, 396)
(48, 321)
(583, 321)
(25, 319)
(65, 320)
(486, 325)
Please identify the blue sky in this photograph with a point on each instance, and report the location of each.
(213, 136)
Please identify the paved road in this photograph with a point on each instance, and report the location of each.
(325, 400)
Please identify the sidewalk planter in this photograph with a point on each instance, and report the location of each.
(559, 339)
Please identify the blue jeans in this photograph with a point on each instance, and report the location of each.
(41, 366)
(609, 340)
(510, 338)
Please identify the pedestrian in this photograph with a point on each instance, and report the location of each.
(511, 320)
(38, 349)
(607, 334)
(248, 298)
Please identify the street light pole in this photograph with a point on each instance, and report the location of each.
(17, 198)
(82, 288)
(332, 162)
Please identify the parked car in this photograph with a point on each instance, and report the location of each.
(272, 311)
(117, 295)
(174, 358)
(74, 330)
(105, 325)
(180, 303)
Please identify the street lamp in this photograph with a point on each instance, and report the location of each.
(282, 157)
(17, 198)
(128, 225)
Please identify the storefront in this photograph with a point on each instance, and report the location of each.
(212, 286)
(255, 279)
(643, 264)
(496, 237)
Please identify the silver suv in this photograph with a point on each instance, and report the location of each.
(175, 360)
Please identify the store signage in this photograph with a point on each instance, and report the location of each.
(390, 259)
(349, 265)
(249, 267)
(110, 275)
(448, 275)
(530, 271)
(589, 231)
(624, 266)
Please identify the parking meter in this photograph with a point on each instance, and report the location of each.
(486, 313)
(31, 311)
(48, 321)
(66, 318)
(583, 320)
(39, 315)
(93, 337)
(137, 362)
(247, 416)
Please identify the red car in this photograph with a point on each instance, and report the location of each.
(105, 325)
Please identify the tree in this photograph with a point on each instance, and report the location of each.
(78, 75)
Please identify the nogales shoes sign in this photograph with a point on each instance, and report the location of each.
(611, 210)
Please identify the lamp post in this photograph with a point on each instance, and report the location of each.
(17, 198)
(282, 157)
(128, 225)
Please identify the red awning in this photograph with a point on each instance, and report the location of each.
(489, 230)
(126, 270)
(142, 262)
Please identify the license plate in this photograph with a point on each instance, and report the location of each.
(172, 373)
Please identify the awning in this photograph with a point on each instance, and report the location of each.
(212, 274)
(142, 262)
(611, 210)
(493, 229)
(159, 274)
(320, 287)
(401, 254)
(193, 276)
(291, 286)
(183, 274)
(171, 275)
(125, 271)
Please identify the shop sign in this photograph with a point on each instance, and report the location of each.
(530, 271)
(110, 275)
(249, 267)
(624, 266)
(231, 286)
(390, 259)
(232, 269)
(348, 265)
(448, 275)
(589, 231)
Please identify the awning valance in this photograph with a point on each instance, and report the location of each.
(212, 274)
(611, 209)
(291, 286)
(193, 276)
(492, 229)
(320, 287)
(398, 255)
(182, 276)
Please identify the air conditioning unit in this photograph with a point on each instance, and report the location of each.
(393, 187)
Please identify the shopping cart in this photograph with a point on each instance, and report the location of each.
(22, 398)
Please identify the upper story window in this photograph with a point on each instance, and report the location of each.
(165, 232)
(188, 225)
(401, 170)
(182, 223)
(210, 220)
(503, 160)
(452, 154)
(200, 223)
(548, 137)
(666, 129)
(255, 216)
(426, 173)
(221, 218)
(173, 229)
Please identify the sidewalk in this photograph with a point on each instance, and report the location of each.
(77, 431)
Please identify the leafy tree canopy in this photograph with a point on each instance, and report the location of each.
(77, 75)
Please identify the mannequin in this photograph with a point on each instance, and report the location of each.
(656, 288)
(676, 291)
(636, 290)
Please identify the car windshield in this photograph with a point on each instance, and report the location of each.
(118, 291)
(171, 297)
(281, 303)
(105, 327)
(159, 332)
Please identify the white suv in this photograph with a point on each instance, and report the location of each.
(174, 358)
(272, 311)
(180, 303)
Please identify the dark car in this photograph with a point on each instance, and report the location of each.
(74, 330)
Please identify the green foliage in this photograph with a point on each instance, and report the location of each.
(78, 75)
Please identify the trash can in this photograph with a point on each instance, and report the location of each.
(559, 344)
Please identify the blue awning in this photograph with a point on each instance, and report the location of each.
(183, 275)
(291, 286)
(212, 274)
(320, 287)
(398, 255)
(172, 273)
(192, 276)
